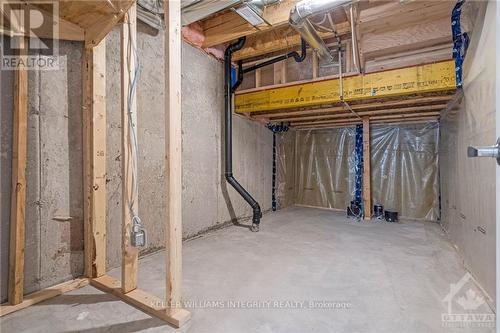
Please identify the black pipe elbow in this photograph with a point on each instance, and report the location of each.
(302, 56)
(257, 215)
(234, 47)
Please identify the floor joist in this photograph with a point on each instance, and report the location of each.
(369, 105)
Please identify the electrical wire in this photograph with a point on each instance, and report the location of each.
(341, 86)
(132, 133)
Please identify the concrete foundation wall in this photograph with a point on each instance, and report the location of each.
(54, 203)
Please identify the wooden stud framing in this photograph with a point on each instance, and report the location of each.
(348, 57)
(367, 194)
(280, 72)
(315, 65)
(18, 195)
(173, 153)
(45, 294)
(130, 254)
(141, 300)
(94, 123)
(258, 77)
(94, 152)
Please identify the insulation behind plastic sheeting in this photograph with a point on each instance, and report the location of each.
(285, 182)
(468, 184)
(324, 167)
(404, 169)
(404, 166)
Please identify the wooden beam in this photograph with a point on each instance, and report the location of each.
(370, 105)
(426, 55)
(65, 30)
(18, 192)
(228, 25)
(129, 153)
(393, 15)
(43, 295)
(357, 120)
(315, 64)
(280, 39)
(95, 31)
(439, 77)
(141, 300)
(367, 194)
(405, 39)
(416, 120)
(173, 153)
(94, 152)
(347, 114)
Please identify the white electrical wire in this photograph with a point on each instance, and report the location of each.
(131, 49)
(341, 86)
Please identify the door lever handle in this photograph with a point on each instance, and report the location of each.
(486, 151)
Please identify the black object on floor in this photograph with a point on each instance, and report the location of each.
(378, 211)
(354, 210)
(391, 216)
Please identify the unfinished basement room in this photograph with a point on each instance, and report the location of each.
(249, 166)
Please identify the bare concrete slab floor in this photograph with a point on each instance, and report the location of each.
(384, 277)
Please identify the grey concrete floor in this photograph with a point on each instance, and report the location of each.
(385, 277)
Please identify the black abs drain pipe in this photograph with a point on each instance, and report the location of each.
(228, 121)
(228, 135)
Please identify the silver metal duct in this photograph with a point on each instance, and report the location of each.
(151, 11)
(299, 21)
(253, 11)
(195, 10)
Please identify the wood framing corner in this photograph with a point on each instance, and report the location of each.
(94, 155)
(18, 202)
(173, 151)
(143, 301)
(130, 254)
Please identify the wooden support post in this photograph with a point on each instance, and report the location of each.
(18, 194)
(129, 157)
(284, 78)
(94, 138)
(173, 153)
(258, 78)
(348, 57)
(367, 195)
(280, 72)
(315, 64)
